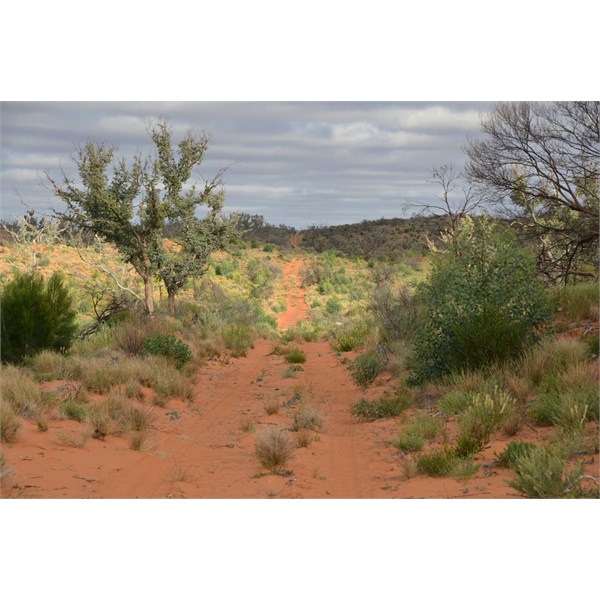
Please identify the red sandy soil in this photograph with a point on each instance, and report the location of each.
(296, 307)
(200, 450)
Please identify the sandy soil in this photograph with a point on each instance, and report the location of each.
(205, 449)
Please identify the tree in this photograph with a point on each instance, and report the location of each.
(131, 206)
(35, 315)
(540, 162)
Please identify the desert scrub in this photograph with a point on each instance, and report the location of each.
(168, 346)
(365, 368)
(130, 336)
(385, 407)
(9, 423)
(409, 441)
(273, 448)
(19, 390)
(565, 409)
(238, 337)
(578, 302)
(515, 450)
(480, 419)
(307, 417)
(35, 315)
(437, 464)
(49, 365)
(496, 304)
(74, 410)
(295, 355)
(166, 381)
(351, 336)
(543, 472)
(454, 402)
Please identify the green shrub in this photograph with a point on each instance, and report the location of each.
(238, 337)
(168, 346)
(454, 402)
(34, 316)
(479, 420)
(268, 247)
(409, 441)
(481, 304)
(543, 473)
(333, 306)
(385, 407)
(365, 368)
(515, 450)
(351, 337)
(74, 410)
(436, 464)
(295, 355)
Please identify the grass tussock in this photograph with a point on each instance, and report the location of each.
(304, 438)
(578, 302)
(307, 417)
(74, 439)
(273, 448)
(366, 368)
(295, 355)
(20, 391)
(272, 407)
(9, 423)
(383, 408)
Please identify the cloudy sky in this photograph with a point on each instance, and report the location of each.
(297, 163)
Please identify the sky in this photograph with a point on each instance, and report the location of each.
(295, 163)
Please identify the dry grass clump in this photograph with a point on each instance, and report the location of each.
(551, 356)
(20, 391)
(74, 439)
(130, 336)
(179, 473)
(141, 441)
(49, 365)
(272, 407)
(9, 423)
(5, 470)
(307, 417)
(273, 448)
(167, 381)
(304, 438)
(247, 425)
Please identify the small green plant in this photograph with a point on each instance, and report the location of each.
(543, 473)
(383, 408)
(168, 346)
(351, 337)
(268, 247)
(238, 337)
(440, 463)
(72, 409)
(366, 368)
(454, 402)
(515, 450)
(333, 306)
(273, 448)
(409, 441)
(295, 355)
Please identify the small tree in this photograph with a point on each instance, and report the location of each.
(35, 316)
(481, 303)
(131, 207)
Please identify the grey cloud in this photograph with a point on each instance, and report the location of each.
(295, 162)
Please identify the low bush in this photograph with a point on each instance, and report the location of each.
(76, 411)
(35, 315)
(351, 336)
(168, 346)
(437, 464)
(366, 368)
(515, 450)
(307, 417)
(273, 448)
(409, 441)
(543, 472)
(385, 407)
(9, 423)
(295, 355)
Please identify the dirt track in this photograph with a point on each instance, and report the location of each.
(202, 450)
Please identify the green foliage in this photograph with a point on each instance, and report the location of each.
(454, 402)
(72, 409)
(409, 441)
(578, 302)
(238, 337)
(481, 303)
(168, 346)
(333, 306)
(542, 472)
(479, 420)
(365, 368)
(351, 336)
(268, 247)
(383, 408)
(437, 464)
(295, 355)
(569, 409)
(35, 316)
(514, 451)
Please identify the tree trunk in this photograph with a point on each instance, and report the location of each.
(148, 299)
(171, 301)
